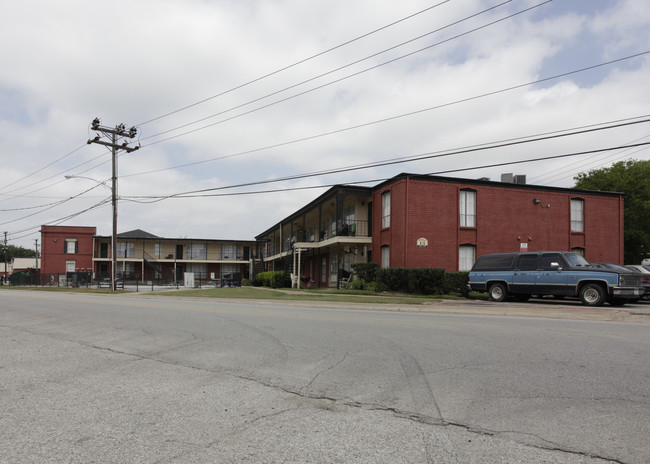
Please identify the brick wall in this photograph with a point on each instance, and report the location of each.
(53, 253)
(507, 216)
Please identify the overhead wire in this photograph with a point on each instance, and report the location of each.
(403, 115)
(332, 71)
(562, 75)
(419, 157)
(268, 75)
(202, 193)
(297, 63)
(138, 199)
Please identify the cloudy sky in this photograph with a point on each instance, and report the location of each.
(232, 92)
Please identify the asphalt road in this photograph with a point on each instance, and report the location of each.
(108, 378)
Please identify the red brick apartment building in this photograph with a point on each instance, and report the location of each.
(430, 221)
(407, 221)
(66, 249)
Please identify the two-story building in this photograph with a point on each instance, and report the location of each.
(146, 257)
(71, 251)
(319, 242)
(66, 250)
(414, 220)
(444, 222)
(409, 220)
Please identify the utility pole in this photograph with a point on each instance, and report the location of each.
(115, 134)
(4, 279)
(36, 268)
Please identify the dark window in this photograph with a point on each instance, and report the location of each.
(548, 259)
(527, 262)
(495, 262)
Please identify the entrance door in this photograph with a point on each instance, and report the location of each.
(179, 251)
(103, 250)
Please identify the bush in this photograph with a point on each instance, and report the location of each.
(274, 279)
(367, 272)
(456, 282)
(426, 281)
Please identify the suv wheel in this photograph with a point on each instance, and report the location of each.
(497, 292)
(592, 295)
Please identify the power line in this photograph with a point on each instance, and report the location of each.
(311, 79)
(419, 157)
(344, 67)
(51, 206)
(367, 181)
(34, 229)
(299, 62)
(379, 121)
(195, 194)
(43, 168)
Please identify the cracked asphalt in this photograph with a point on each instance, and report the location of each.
(96, 378)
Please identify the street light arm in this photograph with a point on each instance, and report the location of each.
(73, 176)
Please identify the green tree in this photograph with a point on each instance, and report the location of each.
(16, 252)
(633, 179)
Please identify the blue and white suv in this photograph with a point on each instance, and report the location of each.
(557, 273)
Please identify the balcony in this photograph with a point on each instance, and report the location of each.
(343, 231)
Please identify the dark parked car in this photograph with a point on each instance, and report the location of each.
(645, 275)
(556, 273)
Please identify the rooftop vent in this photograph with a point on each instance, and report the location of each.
(513, 179)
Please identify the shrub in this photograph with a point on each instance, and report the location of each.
(367, 272)
(456, 282)
(275, 279)
(426, 281)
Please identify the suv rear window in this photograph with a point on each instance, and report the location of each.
(494, 262)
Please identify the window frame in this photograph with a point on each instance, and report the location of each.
(385, 209)
(467, 209)
(125, 250)
(68, 243)
(463, 261)
(385, 256)
(577, 215)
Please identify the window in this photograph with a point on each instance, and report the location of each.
(495, 262)
(385, 209)
(228, 251)
(467, 201)
(466, 257)
(125, 270)
(385, 257)
(197, 251)
(527, 262)
(578, 250)
(349, 214)
(71, 246)
(577, 215)
(228, 271)
(70, 266)
(547, 260)
(125, 249)
(200, 270)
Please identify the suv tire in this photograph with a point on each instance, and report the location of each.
(592, 295)
(497, 292)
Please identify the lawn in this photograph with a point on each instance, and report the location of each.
(262, 293)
